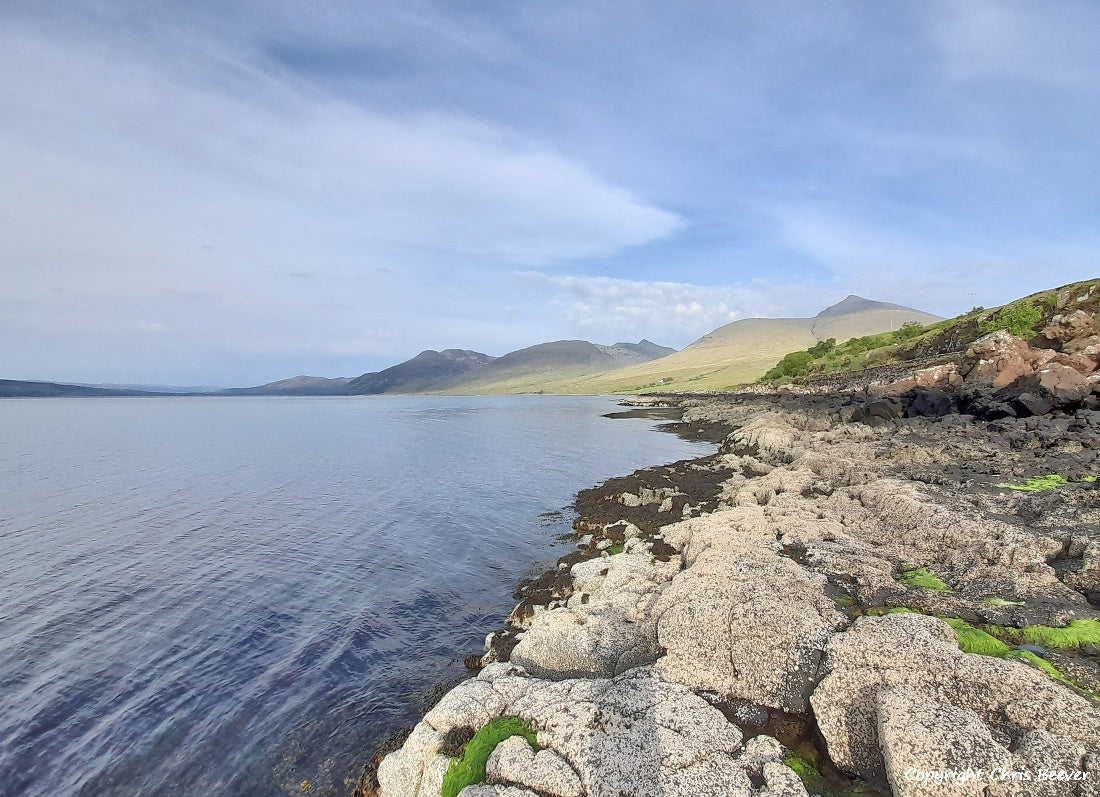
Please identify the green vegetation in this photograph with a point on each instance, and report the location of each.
(923, 577)
(998, 641)
(470, 768)
(974, 640)
(1074, 636)
(1089, 479)
(1019, 318)
(1051, 481)
(797, 363)
(1001, 602)
(827, 356)
(809, 774)
(616, 548)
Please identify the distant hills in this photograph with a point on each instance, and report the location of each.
(742, 351)
(733, 354)
(295, 386)
(14, 388)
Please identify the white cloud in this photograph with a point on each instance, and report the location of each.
(607, 309)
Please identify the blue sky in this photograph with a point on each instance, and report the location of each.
(235, 192)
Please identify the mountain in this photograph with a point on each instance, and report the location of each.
(428, 371)
(295, 386)
(743, 350)
(522, 371)
(529, 370)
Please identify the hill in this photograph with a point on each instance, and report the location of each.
(530, 370)
(428, 371)
(14, 388)
(743, 350)
(295, 386)
(944, 342)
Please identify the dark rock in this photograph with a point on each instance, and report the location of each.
(930, 404)
(877, 412)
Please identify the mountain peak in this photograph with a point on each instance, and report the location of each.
(857, 304)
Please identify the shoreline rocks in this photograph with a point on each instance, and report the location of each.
(736, 594)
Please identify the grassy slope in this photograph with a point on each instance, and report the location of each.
(736, 353)
(732, 354)
(949, 337)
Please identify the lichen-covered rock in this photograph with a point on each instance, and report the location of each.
(607, 626)
(1069, 326)
(880, 671)
(934, 749)
(513, 761)
(633, 734)
(742, 620)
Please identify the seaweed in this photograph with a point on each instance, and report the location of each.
(923, 577)
(470, 768)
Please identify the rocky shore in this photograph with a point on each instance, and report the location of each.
(890, 587)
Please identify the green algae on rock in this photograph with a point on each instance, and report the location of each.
(470, 768)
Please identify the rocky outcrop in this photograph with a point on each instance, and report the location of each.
(741, 620)
(742, 607)
(898, 693)
(634, 734)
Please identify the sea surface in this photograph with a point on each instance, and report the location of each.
(245, 596)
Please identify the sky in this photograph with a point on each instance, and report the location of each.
(229, 192)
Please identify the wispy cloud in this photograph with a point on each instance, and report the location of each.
(172, 171)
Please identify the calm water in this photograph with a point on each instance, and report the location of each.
(232, 596)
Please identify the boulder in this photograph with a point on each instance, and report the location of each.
(1064, 384)
(929, 404)
(606, 627)
(741, 620)
(996, 360)
(882, 674)
(514, 761)
(1065, 327)
(633, 734)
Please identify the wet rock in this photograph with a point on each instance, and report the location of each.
(878, 412)
(930, 404)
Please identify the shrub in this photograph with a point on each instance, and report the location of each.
(1019, 318)
(822, 347)
(908, 331)
(797, 363)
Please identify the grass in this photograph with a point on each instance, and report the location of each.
(1001, 602)
(1051, 481)
(923, 577)
(470, 768)
(616, 548)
